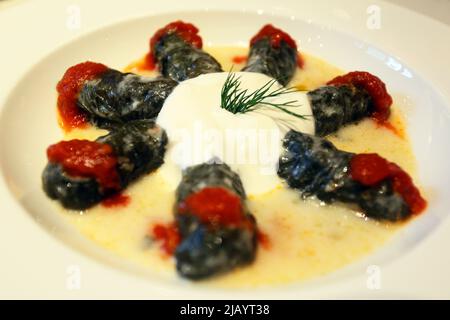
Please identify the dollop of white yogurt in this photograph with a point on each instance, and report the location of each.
(199, 130)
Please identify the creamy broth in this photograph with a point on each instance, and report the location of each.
(306, 239)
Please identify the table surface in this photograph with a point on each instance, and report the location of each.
(436, 9)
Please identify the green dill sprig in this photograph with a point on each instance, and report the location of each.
(237, 100)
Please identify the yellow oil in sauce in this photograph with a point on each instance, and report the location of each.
(307, 239)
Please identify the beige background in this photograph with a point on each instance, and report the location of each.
(437, 9)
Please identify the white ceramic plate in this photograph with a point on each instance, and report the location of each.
(41, 255)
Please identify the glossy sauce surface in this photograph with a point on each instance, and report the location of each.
(305, 239)
(87, 159)
(68, 88)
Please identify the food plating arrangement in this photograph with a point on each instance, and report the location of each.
(145, 168)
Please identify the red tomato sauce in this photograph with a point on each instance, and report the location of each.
(68, 88)
(187, 31)
(300, 61)
(371, 169)
(168, 235)
(375, 88)
(147, 64)
(87, 159)
(214, 206)
(264, 240)
(275, 36)
(239, 59)
(116, 200)
(389, 126)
